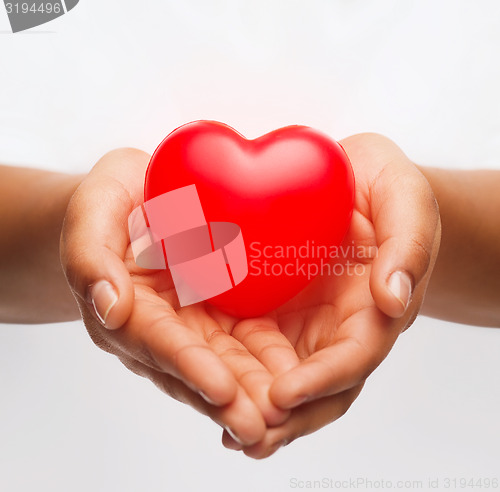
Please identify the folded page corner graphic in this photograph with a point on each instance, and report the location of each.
(204, 259)
(70, 4)
(25, 15)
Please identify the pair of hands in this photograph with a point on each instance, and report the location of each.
(266, 380)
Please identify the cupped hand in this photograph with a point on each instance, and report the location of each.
(269, 380)
(345, 322)
(134, 313)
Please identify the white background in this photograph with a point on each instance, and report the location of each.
(124, 72)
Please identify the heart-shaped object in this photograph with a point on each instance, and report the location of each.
(290, 191)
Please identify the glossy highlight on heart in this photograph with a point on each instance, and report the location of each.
(290, 191)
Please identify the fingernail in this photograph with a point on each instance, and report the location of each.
(103, 297)
(299, 400)
(399, 284)
(206, 398)
(233, 435)
(233, 446)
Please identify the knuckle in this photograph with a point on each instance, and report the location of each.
(260, 453)
(164, 382)
(369, 360)
(99, 340)
(214, 335)
(74, 264)
(253, 374)
(420, 251)
(349, 398)
(182, 358)
(141, 349)
(124, 154)
(133, 366)
(243, 331)
(232, 352)
(167, 385)
(145, 354)
(128, 152)
(151, 345)
(272, 347)
(344, 407)
(327, 368)
(411, 319)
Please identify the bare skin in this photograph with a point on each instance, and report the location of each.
(32, 208)
(270, 380)
(465, 285)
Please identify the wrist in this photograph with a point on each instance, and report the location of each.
(33, 288)
(57, 194)
(464, 283)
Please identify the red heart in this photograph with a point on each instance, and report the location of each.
(289, 189)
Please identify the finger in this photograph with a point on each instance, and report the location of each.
(157, 337)
(248, 371)
(241, 419)
(405, 216)
(264, 340)
(406, 220)
(229, 443)
(95, 235)
(360, 345)
(407, 227)
(304, 420)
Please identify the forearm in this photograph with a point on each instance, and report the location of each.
(33, 288)
(465, 284)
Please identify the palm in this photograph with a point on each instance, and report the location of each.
(327, 329)
(333, 326)
(319, 347)
(199, 326)
(318, 316)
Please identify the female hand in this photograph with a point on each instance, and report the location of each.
(343, 325)
(134, 313)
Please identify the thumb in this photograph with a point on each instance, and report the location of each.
(95, 239)
(407, 229)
